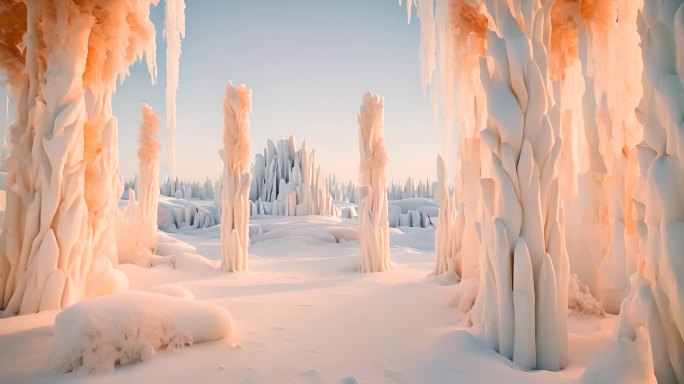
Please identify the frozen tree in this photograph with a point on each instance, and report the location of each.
(174, 32)
(237, 178)
(522, 303)
(137, 232)
(57, 245)
(373, 224)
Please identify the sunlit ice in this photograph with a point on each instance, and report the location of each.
(429, 191)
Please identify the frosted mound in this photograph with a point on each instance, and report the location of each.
(124, 328)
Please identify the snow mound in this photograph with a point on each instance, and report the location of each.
(173, 290)
(124, 328)
(580, 299)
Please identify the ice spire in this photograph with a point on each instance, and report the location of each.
(237, 177)
(373, 224)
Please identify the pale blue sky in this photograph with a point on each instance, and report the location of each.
(308, 63)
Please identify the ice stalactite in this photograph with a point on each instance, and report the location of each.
(65, 140)
(612, 66)
(656, 299)
(447, 246)
(373, 224)
(522, 303)
(235, 207)
(174, 32)
(451, 41)
(137, 226)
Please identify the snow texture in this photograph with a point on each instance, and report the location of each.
(235, 207)
(373, 211)
(124, 328)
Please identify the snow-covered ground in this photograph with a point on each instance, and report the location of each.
(305, 314)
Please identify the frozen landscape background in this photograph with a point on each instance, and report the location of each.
(211, 192)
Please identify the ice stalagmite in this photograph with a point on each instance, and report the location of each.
(373, 224)
(57, 245)
(656, 298)
(447, 246)
(148, 173)
(174, 31)
(522, 226)
(137, 228)
(290, 180)
(122, 34)
(237, 178)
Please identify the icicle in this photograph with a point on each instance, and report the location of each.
(174, 31)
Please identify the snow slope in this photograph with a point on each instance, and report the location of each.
(304, 314)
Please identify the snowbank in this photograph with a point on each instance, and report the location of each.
(175, 214)
(124, 328)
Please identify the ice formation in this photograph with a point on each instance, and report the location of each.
(174, 32)
(373, 211)
(237, 178)
(287, 182)
(601, 214)
(447, 240)
(125, 328)
(459, 28)
(522, 303)
(656, 297)
(62, 61)
(137, 225)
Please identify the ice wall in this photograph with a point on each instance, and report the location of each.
(610, 54)
(235, 207)
(289, 181)
(656, 299)
(522, 303)
(174, 32)
(373, 211)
